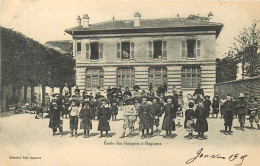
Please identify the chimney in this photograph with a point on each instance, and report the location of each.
(137, 17)
(210, 15)
(79, 21)
(85, 21)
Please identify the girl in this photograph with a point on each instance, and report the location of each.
(201, 123)
(104, 116)
(215, 106)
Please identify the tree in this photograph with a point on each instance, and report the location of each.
(226, 69)
(247, 47)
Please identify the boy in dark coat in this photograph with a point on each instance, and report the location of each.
(156, 109)
(241, 109)
(189, 119)
(207, 104)
(201, 115)
(56, 113)
(114, 108)
(144, 116)
(253, 112)
(170, 110)
(104, 115)
(228, 112)
(86, 116)
(215, 106)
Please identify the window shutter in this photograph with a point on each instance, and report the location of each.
(198, 48)
(78, 46)
(100, 51)
(132, 50)
(164, 46)
(184, 48)
(150, 49)
(87, 51)
(118, 50)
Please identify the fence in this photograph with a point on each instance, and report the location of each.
(250, 87)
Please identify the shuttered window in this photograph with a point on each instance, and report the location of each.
(191, 48)
(184, 48)
(78, 46)
(132, 50)
(150, 49)
(198, 48)
(87, 51)
(118, 50)
(100, 51)
(164, 49)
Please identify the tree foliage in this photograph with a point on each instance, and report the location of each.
(246, 50)
(26, 62)
(226, 69)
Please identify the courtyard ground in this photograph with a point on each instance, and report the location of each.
(28, 141)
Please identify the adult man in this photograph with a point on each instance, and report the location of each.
(129, 116)
(241, 110)
(199, 92)
(229, 112)
(144, 116)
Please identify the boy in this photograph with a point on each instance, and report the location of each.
(222, 101)
(201, 115)
(144, 116)
(253, 112)
(189, 119)
(215, 106)
(86, 116)
(156, 109)
(229, 113)
(241, 109)
(56, 117)
(104, 115)
(74, 113)
(129, 116)
(170, 110)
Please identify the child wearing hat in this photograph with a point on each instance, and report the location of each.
(241, 109)
(74, 113)
(201, 115)
(56, 113)
(189, 119)
(253, 112)
(86, 116)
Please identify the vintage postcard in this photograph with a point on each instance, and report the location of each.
(171, 83)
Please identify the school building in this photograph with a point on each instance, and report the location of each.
(179, 52)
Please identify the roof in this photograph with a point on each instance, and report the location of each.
(147, 24)
(63, 46)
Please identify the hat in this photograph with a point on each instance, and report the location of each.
(241, 95)
(168, 97)
(136, 87)
(207, 96)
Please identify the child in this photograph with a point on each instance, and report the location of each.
(201, 115)
(144, 116)
(189, 119)
(222, 101)
(215, 106)
(55, 118)
(229, 109)
(156, 108)
(170, 110)
(179, 112)
(253, 112)
(86, 116)
(207, 104)
(104, 115)
(66, 106)
(114, 108)
(74, 112)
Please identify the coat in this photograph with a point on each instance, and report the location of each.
(86, 116)
(201, 115)
(169, 111)
(207, 104)
(114, 109)
(229, 108)
(55, 115)
(104, 115)
(241, 107)
(144, 114)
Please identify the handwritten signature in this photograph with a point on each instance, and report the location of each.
(231, 158)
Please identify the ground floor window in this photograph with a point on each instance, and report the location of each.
(126, 77)
(190, 76)
(94, 77)
(157, 76)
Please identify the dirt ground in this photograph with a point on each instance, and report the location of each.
(28, 141)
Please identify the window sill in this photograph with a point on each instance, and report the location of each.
(125, 59)
(191, 58)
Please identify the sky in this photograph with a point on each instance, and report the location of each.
(45, 20)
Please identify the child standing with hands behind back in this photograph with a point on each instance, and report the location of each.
(74, 113)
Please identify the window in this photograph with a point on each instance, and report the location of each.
(190, 76)
(157, 49)
(191, 48)
(126, 77)
(78, 46)
(94, 51)
(157, 76)
(125, 50)
(94, 77)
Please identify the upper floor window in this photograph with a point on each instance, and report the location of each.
(125, 50)
(78, 46)
(191, 48)
(94, 51)
(157, 49)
